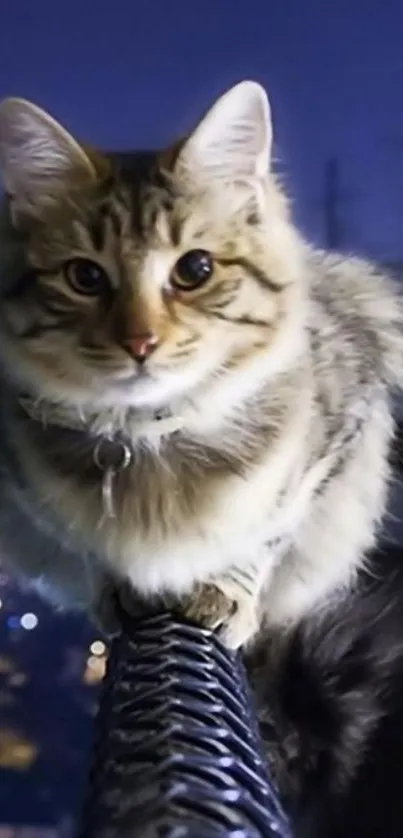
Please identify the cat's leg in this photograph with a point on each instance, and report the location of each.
(229, 603)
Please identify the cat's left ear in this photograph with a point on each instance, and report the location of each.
(233, 141)
(39, 160)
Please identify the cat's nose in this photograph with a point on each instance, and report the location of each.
(140, 347)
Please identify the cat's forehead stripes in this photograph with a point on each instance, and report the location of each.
(143, 201)
(97, 228)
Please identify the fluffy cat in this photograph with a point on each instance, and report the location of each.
(194, 401)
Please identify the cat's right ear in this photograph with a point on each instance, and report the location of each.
(39, 160)
(233, 141)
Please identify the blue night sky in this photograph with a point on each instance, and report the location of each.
(127, 74)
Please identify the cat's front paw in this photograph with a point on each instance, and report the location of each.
(208, 606)
(234, 620)
(241, 627)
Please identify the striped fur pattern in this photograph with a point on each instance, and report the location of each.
(259, 493)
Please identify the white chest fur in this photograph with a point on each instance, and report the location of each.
(172, 531)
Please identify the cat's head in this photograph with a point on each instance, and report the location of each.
(133, 281)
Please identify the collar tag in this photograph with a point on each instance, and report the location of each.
(111, 457)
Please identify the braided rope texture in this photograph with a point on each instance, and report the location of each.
(176, 751)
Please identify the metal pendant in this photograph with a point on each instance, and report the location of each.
(111, 456)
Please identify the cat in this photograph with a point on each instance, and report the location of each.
(195, 402)
(330, 699)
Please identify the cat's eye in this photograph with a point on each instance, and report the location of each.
(192, 269)
(86, 277)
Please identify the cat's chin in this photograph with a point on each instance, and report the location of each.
(154, 388)
(139, 390)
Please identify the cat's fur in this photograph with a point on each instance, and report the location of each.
(330, 698)
(264, 484)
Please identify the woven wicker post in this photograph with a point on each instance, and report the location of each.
(177, 751)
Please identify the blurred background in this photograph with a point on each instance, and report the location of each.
(135, 74)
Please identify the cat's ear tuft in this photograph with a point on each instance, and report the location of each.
(39, 159)
(233, 141)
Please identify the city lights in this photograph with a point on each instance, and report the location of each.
(13, 622)
(98, 648)
(16, 752)
(61, 669)
(94, 670)
(29, 621)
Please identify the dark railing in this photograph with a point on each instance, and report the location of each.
(176, 753)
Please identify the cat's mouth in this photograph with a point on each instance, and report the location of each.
(131, 376)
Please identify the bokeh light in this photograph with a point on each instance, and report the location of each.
(98, 648)
(29, 621)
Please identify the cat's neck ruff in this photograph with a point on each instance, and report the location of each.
(131, 424)
(112, 446)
